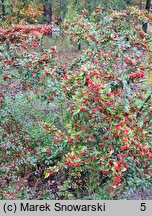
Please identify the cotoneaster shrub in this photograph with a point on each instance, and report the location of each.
(108, 113)
(96, 133)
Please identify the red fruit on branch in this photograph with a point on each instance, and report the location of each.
(104, 171)
(83, 127)
(51, 97)
(5, 76)
(48, 152)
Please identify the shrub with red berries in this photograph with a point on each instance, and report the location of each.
(95, 129)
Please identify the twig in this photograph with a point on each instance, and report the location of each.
(139, 113)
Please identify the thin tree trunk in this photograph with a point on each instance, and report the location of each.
(141, 4)
(63, 11)
(3, 9)
(148, 4)
(61, 19)
(48, 12)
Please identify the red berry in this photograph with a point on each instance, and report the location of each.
(5, 76)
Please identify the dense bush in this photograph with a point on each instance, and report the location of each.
(87, 128)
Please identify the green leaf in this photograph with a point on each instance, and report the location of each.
(46, 174)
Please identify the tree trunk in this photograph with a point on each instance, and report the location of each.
(141, 3)
(48, 12)
(60, 16)
(148, 4)
(3, 9)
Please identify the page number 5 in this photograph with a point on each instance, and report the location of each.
(143, 207)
